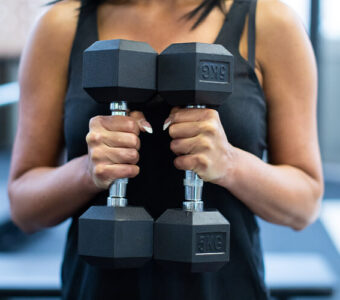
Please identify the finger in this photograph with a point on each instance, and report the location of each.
(168, 120)
(198, 144)
(194, 162)
(115, 123)
(190, 115)
(109, 173)
(143, 124)
(110, 155)
(183, 146)
(113, 139)
(184, 130)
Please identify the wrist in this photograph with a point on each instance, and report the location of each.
(86, 179)
(229, 177)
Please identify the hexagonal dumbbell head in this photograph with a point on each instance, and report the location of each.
(195, 73)
(119, 70)
(192, 241)
(115, 237)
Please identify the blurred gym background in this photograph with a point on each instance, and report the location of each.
(299, 265)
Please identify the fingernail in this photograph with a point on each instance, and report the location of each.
(167, 123)
(148, 129)
(146, 125)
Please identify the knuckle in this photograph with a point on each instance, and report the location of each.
(138, 144)
(172, 131)
(88, 137)
(95, 154)
(93, 137)
(173, 145)
(205, 144)
(135, 155)
(99, 171)
(211, 113)
(132, 171)
(202, 162)
(178, 162)
(95, 121)
(134, 140)
(132, 155)
(209, 128)
(184, 162)
(131, 125)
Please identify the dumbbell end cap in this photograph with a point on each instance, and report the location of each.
(115, 237)
(192, 241)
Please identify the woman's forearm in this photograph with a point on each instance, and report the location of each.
(280, 194)
(46, 196)
(286, 195)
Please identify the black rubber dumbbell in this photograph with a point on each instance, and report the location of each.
(118, 72)
(193, 75)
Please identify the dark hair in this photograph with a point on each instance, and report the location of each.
(201, 11)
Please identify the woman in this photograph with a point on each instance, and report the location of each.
(273, 106)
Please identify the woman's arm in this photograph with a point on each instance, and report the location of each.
(41, 192)
(288, 190)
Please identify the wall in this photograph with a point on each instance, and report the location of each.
(330, 100)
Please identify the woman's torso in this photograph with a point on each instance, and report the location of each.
(159, 184)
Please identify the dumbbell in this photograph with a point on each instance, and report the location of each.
(117, 72)
(193, 75)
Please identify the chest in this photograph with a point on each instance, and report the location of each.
(158, 25)
(161, 25)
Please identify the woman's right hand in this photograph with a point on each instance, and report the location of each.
(113, 144)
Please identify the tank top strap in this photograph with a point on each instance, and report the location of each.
(252, 33)
(86, 34)
(231, 32)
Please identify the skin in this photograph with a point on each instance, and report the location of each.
(286, 191)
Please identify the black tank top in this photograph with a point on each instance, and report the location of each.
(159, 185)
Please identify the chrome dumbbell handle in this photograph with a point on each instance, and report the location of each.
(193, 186)
(117, 192)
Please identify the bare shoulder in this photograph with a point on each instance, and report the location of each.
(61, 18)
(49, 44)
(274, 14)
(279, 29)
(53, 33)
(281, 36)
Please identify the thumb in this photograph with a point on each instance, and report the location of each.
(143, 124)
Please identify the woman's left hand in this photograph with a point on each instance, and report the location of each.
(200, 142)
